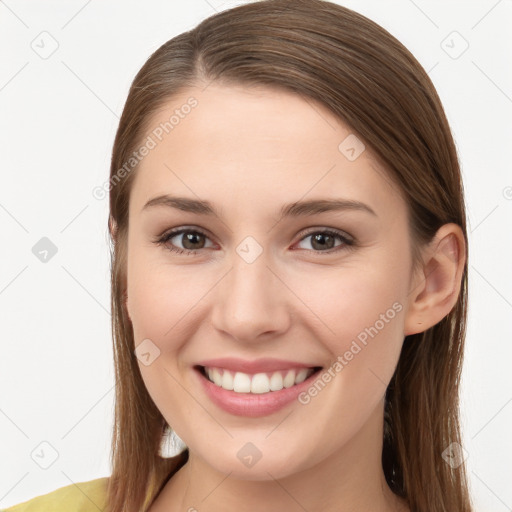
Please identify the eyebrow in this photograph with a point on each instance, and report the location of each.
(296, 209)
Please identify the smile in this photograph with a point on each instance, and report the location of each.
(254, 388)
(258, 383)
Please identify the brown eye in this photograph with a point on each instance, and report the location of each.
(191, 240)
(325, 241)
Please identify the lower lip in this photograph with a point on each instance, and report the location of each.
(252, 404)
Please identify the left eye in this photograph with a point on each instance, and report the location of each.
(325, 239)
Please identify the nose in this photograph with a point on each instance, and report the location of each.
(251, 302)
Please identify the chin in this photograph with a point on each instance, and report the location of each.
(249, 463)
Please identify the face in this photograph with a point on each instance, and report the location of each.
(281, 296)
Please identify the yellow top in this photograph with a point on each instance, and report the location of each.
(87, 496)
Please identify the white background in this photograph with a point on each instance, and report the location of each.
(57, 124)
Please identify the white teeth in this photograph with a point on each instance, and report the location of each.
(289, 380)
(276, 382)
(241, 383)
(258, 383)
(301, 376)
(227, 380)
(215, 376)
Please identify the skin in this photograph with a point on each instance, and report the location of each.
(249, 151)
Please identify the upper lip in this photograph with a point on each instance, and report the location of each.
(254, 366)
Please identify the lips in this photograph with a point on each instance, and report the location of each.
(254, 388)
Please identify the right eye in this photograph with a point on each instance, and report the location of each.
(189, 238)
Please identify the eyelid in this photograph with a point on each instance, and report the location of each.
(323, 229)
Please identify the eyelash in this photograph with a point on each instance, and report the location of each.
(348, 243)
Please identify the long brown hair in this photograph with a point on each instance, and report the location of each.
(368, 79)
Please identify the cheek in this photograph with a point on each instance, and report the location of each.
(161, 303)
(159, 295)
(362, 319)
(362, 327)
(356, 303)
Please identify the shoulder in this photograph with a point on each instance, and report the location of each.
(87, 496)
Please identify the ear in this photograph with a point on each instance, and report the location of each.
(436, 286)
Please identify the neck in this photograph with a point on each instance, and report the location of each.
(347, 480)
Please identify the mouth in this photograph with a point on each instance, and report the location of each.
(254, 388)
(256, 383)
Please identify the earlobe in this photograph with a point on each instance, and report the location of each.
(437, 287)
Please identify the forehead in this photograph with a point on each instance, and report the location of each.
(225, 142)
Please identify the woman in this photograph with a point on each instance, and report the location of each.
(289, 273)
